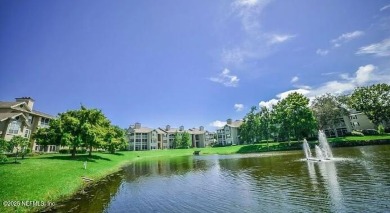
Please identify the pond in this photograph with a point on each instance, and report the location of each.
(357, 180)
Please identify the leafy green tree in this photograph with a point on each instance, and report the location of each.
(185, 140)
(374, 101)
(294, 116)
(250, 128)
(327, 110)
(176, 140)
(265, 123)
(94, 125)
(70, 130)
(20, 144)
(3, 148)
(46, 136)
(114, 139)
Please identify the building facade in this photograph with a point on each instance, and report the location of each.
(230, 133)
(18, 118)
(145, 138)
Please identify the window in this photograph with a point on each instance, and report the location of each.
(14, 127)
(45, 121)
(30, 119)
(26, 133)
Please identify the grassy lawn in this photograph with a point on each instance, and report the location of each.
(359, 138)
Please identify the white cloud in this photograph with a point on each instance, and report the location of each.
(226, 79)
(294, 79)
(378, 49)
(269, 103)
(233, 56)
(248, 11)
(238, 107)
(337, 42)
(363, 76)
(249, 3)
(218, 124)
(385, 7)
(254, 43)
(346, 37)
(284, 95)
(277, 38)
(322, 52)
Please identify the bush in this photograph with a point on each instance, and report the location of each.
(81, 151)
(370, 132)
(64, 151)
(381, 129)
(356, 133)
(3, 158)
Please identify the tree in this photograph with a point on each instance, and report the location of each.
(3, 148)
(294, 116)
(45, 137)
(265, 123)
(327, 110)
(176, 140)
(185, 140)
(114, 139)
(250, 128)
(93, 126)
(76, 128)
(19, 143)
(374, 101)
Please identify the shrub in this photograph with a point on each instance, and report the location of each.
(64, 151)
(381, 129)
(3, 158)
(81, 151)
(370, 132)
(356, 133)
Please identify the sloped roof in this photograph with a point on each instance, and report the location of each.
(196, 131)
(237, 123)
(42, 114)
(5, 116)
(8, 104)
(141, 130)
(160, 131)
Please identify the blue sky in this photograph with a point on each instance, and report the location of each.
(188, 62)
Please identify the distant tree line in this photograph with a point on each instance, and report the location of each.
(295, 118)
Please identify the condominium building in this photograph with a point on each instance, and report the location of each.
(360, 121)
(230, 133)
(18, 118)
(355, 120)
(200, 137)
(145, 138)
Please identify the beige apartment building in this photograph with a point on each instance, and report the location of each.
(145, 138)
(18, 118)
(230, 133)
(354, 121)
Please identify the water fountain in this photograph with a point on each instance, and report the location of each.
(323, 151)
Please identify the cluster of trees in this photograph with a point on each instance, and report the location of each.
(181, 140)
(18, 143)
(289, 118)
(294, 118)
(87, 128)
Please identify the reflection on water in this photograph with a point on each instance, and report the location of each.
(271, 182)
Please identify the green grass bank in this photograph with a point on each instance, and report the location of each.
(53, 177)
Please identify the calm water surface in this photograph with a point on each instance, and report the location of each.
(358, 180)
